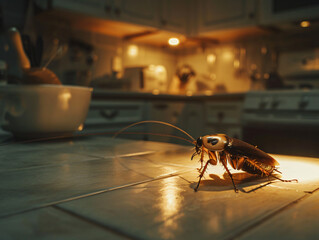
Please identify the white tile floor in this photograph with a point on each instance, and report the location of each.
(94, 189)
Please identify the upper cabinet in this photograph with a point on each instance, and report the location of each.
(144, 12)
(225, 14)
(221, 20)
(170, 15)
(174, 15)
(94, 8)
(283, 11)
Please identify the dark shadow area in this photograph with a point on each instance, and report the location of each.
(242, 180)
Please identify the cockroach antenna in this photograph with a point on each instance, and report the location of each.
(153, 121)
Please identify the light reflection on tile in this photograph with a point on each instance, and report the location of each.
(169, 208)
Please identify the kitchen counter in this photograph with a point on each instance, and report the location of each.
(128, 95)
(96, 187)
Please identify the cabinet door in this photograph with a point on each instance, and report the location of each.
(279, 11)
(174, 15)
(111, 116)
(221, 14)
(144, 12)
(164, 111)
(94, 8)
(192, 119)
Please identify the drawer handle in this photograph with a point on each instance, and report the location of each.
(220, 116)
(161, 106)
(109, 114)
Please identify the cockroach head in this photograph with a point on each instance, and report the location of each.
(216, 142)
(198, 147)
(199, 142)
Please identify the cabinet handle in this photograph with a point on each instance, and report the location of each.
(107, 9)
(303, 104)
(163, 22)
(220, 116)
(262, 105)
(109, 114)
(251, 15)
(161, 106)
(117, 11)
(275, 104)
(193, 113)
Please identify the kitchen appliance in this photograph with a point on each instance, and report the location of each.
(34, 111)
(299, 69)
(147, 78)
(285, 121)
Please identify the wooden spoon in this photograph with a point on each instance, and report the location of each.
(31, 75)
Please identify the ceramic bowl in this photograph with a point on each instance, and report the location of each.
(30, 111)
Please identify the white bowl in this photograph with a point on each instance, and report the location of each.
(30, 111)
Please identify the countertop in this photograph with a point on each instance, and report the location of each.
(96, 187)
(99, 93)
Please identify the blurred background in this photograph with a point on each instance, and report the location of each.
(247, 68)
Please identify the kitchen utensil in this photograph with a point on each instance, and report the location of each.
(45, 110)
(31, 75)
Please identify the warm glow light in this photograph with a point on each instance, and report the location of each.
(173, 41)
(132, 51)
(169, 202)
(208, 92)
(64, 99)
(236, 63)
(80, 128)
(302, 168)
(227, 55)
(189, 93)
(156, 91)
(304, 24)
(211, 58)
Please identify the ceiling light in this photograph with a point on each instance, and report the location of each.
(173, 41)
(132, 50)
(304, 24)
(211, 58)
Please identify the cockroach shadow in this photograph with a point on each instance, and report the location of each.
(224, 183)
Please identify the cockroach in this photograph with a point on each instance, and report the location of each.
(224, 149)
(239, 154)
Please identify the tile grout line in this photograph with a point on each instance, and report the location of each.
(93, 194)
(95, 223)
(271, 215)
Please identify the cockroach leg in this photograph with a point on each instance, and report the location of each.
(275, 169)
(284, 180)
(201, 161)
(201, 175)
(231, 176)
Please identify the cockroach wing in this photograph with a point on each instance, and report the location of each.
(241, 148)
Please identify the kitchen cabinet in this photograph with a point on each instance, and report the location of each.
(189, 116)
(166, 15)
(165, 111)
(192, 119)
(175, 15)
(144, 12)
(111, 116)
(94, 8)
(280, 11)
(224, 117)
(224, 14)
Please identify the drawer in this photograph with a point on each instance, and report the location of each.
(112, 112)
(223, 113)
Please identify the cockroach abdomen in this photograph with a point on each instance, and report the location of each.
(256, 167)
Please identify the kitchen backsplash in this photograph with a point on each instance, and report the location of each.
(85, 58)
